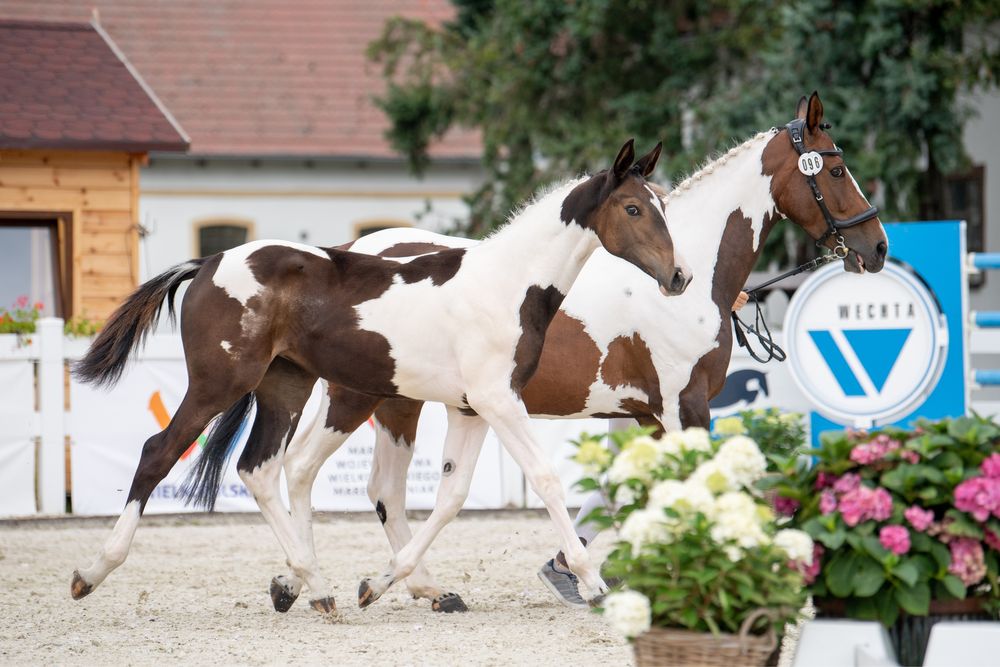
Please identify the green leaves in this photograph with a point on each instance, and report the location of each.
(915, 599)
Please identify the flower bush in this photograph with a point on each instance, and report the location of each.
(698, 546)
(23, 316)
(901, 517)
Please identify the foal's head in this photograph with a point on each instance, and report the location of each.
(628, 218)
(862, 242)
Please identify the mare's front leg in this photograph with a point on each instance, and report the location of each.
(395, 436)
(461, 451)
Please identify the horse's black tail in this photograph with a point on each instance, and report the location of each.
(128, 326)
(201, 486)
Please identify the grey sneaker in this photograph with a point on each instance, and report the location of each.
(563, 584)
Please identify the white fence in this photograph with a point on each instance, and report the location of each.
(104, 431)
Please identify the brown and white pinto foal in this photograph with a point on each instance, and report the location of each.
(616, 348)
(464, 327)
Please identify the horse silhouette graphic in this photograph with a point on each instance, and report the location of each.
(744, 385)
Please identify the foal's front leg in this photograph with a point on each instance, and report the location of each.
(461, 451)
(509, 418)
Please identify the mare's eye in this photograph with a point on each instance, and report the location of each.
(837, 172)
(632, 209)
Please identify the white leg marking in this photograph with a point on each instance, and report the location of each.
(116, 548)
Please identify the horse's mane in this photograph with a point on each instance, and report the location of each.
(711, 165)
(540, 194)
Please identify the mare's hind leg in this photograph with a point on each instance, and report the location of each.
(280, 398)
(395, 435)
(341, 412)
(201, 403)
(461, 451)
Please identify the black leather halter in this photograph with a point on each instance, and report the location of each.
(796, 132)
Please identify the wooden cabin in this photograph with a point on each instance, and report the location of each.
(76, 123)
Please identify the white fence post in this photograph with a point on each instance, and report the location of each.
(51, 407)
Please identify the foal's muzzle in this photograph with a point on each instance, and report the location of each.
(678, 282)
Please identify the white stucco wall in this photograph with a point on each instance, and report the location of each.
(982, 142)
(322, 203)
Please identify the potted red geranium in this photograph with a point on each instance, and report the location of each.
(906, 525)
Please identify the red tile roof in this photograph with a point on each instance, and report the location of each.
(260, 77)
(63, 86)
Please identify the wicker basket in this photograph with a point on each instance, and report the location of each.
(667, 646)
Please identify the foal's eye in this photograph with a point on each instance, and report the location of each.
(837, 172)
(632, 209)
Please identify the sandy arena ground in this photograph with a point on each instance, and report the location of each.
(194, 589)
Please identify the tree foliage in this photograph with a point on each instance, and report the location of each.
(555, 87)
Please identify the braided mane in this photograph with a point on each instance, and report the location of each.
(710, 168)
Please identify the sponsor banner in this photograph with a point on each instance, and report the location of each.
(17, 438)
(342, 483)
(109, 429)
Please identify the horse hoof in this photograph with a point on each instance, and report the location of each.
(448, 603)
(324, 605)
(366, 595)
(79, 588)
(281, 597)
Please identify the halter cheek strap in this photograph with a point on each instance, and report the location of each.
(796, 132)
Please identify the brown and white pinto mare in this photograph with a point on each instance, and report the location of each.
(465, 327)
(615, 349)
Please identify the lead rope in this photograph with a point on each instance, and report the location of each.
(771, 350)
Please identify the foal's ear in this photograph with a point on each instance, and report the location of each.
(626, 156)
(802, 108)
(814, 115)
(647, 163)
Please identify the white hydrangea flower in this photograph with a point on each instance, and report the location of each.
(796, 543)
(742, 458)
(790, 417)
(698, 497)
(714, 476)
(625, 495)
(735, 518)
(646, 526)
(671, 443)
(636, 461)
(696, 439)
(729, 426)
(666, 494)
(628, 612)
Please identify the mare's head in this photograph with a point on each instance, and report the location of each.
(628, 218)
(834, 213)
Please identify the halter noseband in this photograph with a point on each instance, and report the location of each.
(796, 132)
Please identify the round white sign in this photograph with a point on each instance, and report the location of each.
(865, 349)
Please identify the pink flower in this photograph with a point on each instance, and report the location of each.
(22, 301)
(785, 506)
(919, 518)
(992, 539)
(910, 456)
(979, 496)
(825, 479)
(991, 466)
(895, 538)
(827, 501)
(863, 503)
(811, 571)
(39, 305)
(848, 482)
(870, 452)
(967, 560)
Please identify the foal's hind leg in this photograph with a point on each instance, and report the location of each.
(159, 454)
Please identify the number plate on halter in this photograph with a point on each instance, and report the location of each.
(810, 163)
